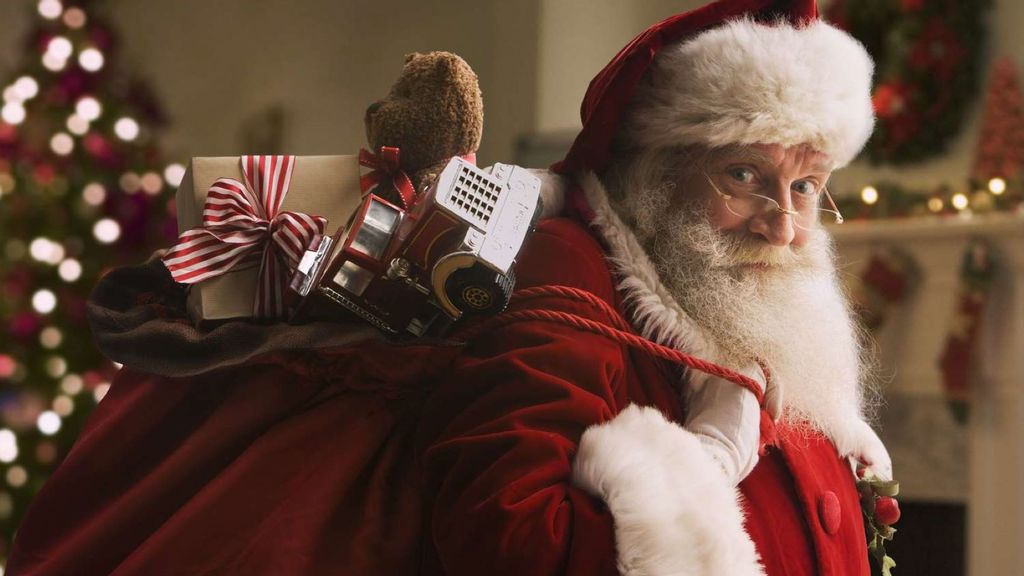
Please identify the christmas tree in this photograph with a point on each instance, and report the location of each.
(1001, 143)
(82, 189)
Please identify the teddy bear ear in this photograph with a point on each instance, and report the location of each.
(412, 56)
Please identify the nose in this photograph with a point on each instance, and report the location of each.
(775, 227)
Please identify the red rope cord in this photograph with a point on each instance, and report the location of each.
(617, 334)
(575, 294)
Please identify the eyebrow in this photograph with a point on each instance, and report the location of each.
(735, 153)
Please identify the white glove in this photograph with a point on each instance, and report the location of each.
(727, 419)
(869, 452)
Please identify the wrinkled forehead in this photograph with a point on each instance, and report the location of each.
(800, 158)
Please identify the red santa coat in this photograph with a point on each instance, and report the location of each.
(513, 486)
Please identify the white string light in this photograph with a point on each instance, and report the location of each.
(127, 129)
(53, 63)
(13, 113)
(16, 476)
(152, 183)
(60, 47)
(997, 186)
(89, 108)
(50, 9)
(26, 87)
(94, 193)
(74, 17)
(62, 144)
(70, 270)
(63, 405)
(44, 301)
(106, 230)
(77, 125)
(71, 384)
(8, 446)
(50, 337)
(91, 59)
(869, 194)
(174, 173)
(959, 201)
(48, 422)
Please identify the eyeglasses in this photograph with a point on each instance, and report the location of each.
(805, 212)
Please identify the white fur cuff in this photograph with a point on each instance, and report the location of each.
(675, 511)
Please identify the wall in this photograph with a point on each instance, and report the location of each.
(215, 64)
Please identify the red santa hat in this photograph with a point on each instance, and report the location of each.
(732, 72)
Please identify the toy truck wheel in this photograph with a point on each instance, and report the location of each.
(479, 290)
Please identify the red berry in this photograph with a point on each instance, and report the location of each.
(887, 511)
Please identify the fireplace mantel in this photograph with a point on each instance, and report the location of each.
(981, 464)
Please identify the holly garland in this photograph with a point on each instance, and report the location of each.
(881, 511)
(976, 275)
(927, 68)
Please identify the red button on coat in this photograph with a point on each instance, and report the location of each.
(829, 512)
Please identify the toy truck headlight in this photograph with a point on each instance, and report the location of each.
(376, 229)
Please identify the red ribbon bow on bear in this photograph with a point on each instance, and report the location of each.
(385, 164)
(243, 222)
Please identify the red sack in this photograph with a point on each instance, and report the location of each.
(288, 462)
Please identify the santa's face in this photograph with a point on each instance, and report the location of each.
(766, 191)
(759, 286)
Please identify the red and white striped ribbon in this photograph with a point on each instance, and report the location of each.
(242, 224)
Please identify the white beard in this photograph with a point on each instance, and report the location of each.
(792, 315)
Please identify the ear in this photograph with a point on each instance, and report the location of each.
(412, 56)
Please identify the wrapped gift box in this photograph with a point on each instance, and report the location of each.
(325, 186)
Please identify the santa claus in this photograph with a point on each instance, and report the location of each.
(698, 188)
(559, 440)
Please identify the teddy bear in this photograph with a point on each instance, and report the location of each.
(433, 112)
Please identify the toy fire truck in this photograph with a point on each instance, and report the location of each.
(452, 253)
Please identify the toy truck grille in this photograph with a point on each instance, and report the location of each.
(473, 196)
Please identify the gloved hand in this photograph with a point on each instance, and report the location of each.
(869, 452)
(727, 418)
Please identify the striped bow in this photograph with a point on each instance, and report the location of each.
(385, 165)
(242, 224)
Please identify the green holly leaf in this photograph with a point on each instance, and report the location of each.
(886, 488)
(887, 565)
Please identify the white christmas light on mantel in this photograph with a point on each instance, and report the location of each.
(997, 186)
(63, 405)
(152, 183)
(50, 9)
(869, 194)
(936, 204)
(127, 129)
(959, 201)
(91, 59)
